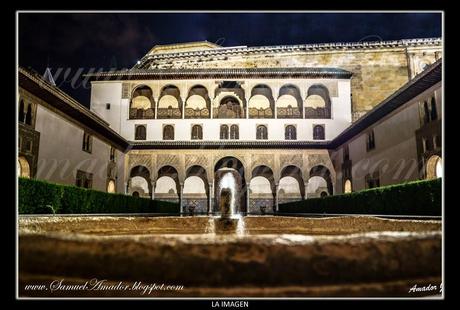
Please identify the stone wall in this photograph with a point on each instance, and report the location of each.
(377, 71)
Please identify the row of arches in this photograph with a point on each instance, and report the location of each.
(251, 191)
(230, 102)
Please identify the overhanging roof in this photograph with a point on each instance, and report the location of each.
(58, 99)
(221, 73)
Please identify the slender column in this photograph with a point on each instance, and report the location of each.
(156, 106)
(126, 188)
(247, 197)
(306, 188)
(183, 107)
(153, 189)
(276, 197)
(210, 191)
(180, 198)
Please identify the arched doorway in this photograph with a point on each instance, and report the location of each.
(111, 188)
(23, 167)
(229, 175)
(434, 167)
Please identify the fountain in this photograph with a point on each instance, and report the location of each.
(228, 220)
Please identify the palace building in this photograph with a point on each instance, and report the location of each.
(277, 123)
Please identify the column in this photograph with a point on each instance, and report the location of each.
(276, 197)
(210, 192)
(183, 107)
(153, 189)
(126, 188)
(306, 188)
(180, 198)
(156, 106)
(247, 197)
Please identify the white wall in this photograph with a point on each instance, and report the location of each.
(118, 116)
(395, 153)
(61, 155)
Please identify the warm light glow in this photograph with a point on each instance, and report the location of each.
(439, 168)
(111, 187)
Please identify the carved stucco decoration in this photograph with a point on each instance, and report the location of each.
(140, 160)
(291, 159)
(262, 159)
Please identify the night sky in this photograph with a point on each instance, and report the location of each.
(104, 41)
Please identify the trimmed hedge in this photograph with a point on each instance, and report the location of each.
(40, 197)
(412, 198)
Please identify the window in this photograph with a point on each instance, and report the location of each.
(346, 153)
(87, 143)
(29, 115)
(21, 111)
(84, 179)
(197, 132)
(112, 154)
(107, 106)
(111, 186)
(434, 112)
(318, 132)
(262, 132)
(234, 132)
(223, 132)
(290, 133)
(373, 180)
(426, 113)
(370, 143)
(168, 132)
(140, 132)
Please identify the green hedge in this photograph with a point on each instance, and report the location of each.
(412, 198)
(40, 197)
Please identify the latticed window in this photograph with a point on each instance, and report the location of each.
(370, 143)
(168, 132)
(87, 143)
(223, 132)
(197, 132)
(21, 111)
(318, 132)
(290, 133)
(84, 179)
(112, 154)
(234, 132)
(140, 132)
(262, 132)
(434, 112)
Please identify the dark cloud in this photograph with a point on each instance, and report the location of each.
(106, 40)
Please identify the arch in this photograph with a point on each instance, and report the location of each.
(111, 187)
(289, 103)
(229, 107)
(169, 103)
(168, 132)
(323, 172)
(136, 175)
(261, 132)
(224, 132)
(142, 104)
(290, 190)
(318, 102)
(261, 103)
(434, 167)
(23, 167)
(347, 188)
(21, 114)
(319, 132)
(135, 194)
(197, 132)
(198, 103)
(290, 132)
